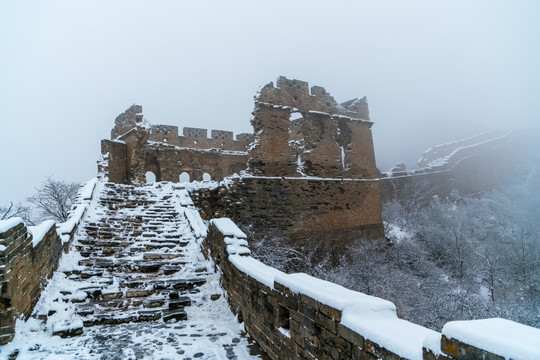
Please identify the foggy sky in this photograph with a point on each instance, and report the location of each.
(433, 71)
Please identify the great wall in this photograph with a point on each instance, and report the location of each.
(132, 253)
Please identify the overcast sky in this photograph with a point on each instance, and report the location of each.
(433, 71)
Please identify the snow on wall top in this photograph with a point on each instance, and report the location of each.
(372, 317)
(85, 193)
(440, 154)
(228, 228)
(38, 232)
(5, 225)
(502, 337)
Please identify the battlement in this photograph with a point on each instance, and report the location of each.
(195, 132)
(222, 135)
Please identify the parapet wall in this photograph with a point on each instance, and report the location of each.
(29, 256)
(195, 138)
(25, 265)
(296, 316)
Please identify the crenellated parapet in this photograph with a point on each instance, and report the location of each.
(137, 147)
(195, 138)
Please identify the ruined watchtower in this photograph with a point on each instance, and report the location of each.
(311, 169)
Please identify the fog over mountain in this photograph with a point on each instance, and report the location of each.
(433, 72)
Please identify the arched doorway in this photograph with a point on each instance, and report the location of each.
(206, 177)
(150, 177)
(184, 177)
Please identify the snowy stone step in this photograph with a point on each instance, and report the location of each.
(161, 256)
(115, 318)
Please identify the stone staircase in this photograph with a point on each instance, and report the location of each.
(132, 262)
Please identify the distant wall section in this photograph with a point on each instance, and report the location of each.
(470, 168)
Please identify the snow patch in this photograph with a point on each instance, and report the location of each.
(87, 189)
(228, 228)
(5, 225)
(38, 232)
(498, 336)
(256, 269)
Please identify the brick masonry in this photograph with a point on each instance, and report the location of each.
(309, 168)
(331, 210)
(24, 271)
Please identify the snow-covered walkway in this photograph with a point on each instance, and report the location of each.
(133, 259)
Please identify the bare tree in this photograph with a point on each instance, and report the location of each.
(16, 210)
(54, 198)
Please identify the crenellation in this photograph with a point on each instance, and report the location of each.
(245, 138)
(194, 133)
(222, 135)
(164, 133)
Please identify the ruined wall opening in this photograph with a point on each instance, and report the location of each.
(284, 318)
(150, 177)
(184, 177)
(206, 177)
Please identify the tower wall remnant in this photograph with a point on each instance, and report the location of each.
(303, 133)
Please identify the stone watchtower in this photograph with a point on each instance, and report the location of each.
(311, 171)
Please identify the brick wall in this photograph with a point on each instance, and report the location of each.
(25, 268)
(332, 210)
(295, 316)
